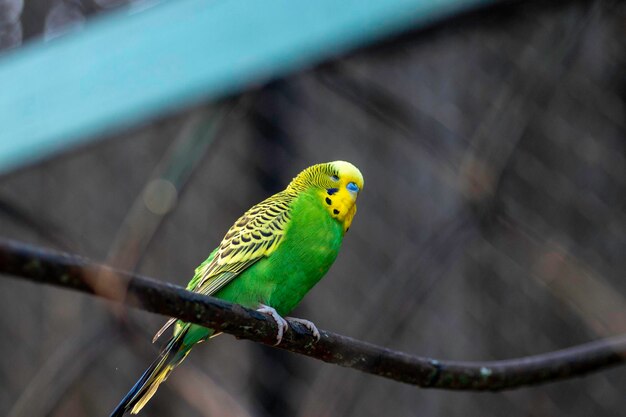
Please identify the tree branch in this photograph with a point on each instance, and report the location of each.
(69, 271)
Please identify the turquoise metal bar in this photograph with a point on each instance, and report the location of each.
(139, 63)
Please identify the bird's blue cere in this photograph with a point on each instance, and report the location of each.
(352, 187)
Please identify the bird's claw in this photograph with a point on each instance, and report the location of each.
(309, 325)
(280, 322)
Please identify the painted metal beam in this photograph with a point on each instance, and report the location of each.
(135, 64)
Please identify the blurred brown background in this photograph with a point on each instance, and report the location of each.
(492, 224)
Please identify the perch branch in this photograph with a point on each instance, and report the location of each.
(69, 271)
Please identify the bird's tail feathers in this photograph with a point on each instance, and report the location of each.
(170, 357)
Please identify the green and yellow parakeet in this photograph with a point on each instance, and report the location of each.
(268, 260)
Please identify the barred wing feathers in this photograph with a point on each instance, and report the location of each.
(255, 235)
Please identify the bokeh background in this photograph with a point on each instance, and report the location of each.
(492, 224)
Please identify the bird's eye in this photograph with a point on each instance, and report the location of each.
(334, 178)
(352, 187)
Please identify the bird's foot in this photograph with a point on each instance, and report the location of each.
(280, 322)
(309, 325)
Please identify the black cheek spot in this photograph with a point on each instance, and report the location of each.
(329, 201)
(332, 191)
(336, 211)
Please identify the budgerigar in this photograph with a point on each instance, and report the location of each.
(268, 260)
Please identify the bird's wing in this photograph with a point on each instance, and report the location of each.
(254, 235)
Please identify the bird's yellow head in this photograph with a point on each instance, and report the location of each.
(338, 185)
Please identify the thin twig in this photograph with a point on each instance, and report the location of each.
(46, 267)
